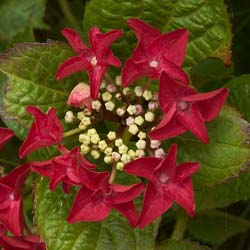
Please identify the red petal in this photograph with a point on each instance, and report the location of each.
(171, 91)
(129, 211)
(186, 169)
(171, 45)
(74, 39)
(72, 65)
(143, 167)
(167, 130)
(88, 206)
(183, 194)
(154, 205)
(210, 103)
(92, 36)
(95, 75)
(123, 194)
(44, 168)
(192, 120)
(133, 71)
(144, 32)
(5, 135)
(174, 71)
(113, 60)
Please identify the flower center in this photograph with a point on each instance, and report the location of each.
(183, 105)
(12, 196)
(163, 178)
(153, 64)
(93, 61)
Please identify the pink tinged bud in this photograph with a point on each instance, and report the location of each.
(80, 96)
(153, 105)
(130, 121)
(139, 109)
(111, 88)
(159, 153)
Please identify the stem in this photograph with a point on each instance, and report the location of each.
(65, 8)
(109, 78)
(180, 225)
(113, 174)
(148, 83)
(14, 164)
(126, 136)
(71, 132)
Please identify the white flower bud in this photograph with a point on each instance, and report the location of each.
(118, 142)
(96, 105)
(147, 94)
(91, 131)
(120, 111)
(120, 166)
(130, 121)
(125, 158)
(85, 149)
(159, 153)
(131, 109)
(95, 154)
(111, 88)
(141, 144)
(138, 91)
(116, 156)
(133, 129)
(149, 116)
(118, 80)
(139, 120)
(82, 126)
(155, 144)
(102, 145)
(86, 121)
(131, 153)
(142, 135)
(107, 159)
(153, 105)
(123, 149)
(111, 135)
(140, 153)
(118, 96)
(108, 151)
(84, 138)
(110, 106)
(80, 115)
(69, 117)
(106, 96)
(126, 91)
(95, 138)
(103, 84)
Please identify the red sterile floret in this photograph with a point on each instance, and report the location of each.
(62, 168)
(5, 135)
(30, 242)
(45, 131)
(166, 184)
(155, 53)
(185, 109)
(95, 60)
(96, 198)
(11, 214)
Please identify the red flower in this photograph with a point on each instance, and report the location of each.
(155, 53)
(167, 183)
(95, 59)
(11, 214)
(31, 242)
(45, 131)
(62, 168)
(95, 200)
(5, 135)
(185, 109)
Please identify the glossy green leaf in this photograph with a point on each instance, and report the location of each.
(215, 227)
(51, 209)
(207, 21)
(226, 155)
(30, 69)
(240, 94)
(15, 17)
(223, 194)
(180, 245)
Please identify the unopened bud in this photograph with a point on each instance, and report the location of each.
(138, 91)
(69, 117)
(130, 121)
(147, 94)
(131, 109)
(95, 154)
(139, 120)
(133, 129)
(159, 153)
(110, 106)
(118, 80)
(149, 116)
(96, 105)
(111, 135)
(155, 144)
(111, 88)
(120, 111)
(153, 105)
(141, 144)
(106, 96)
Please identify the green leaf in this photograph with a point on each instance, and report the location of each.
(16, 15)
(207, 21)
(240, 93)
(180, 245)
(30, 69)
(51, 210)
(215, 227)
(227, 154)
(224, 194)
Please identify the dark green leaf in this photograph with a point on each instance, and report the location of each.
(180, 245)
